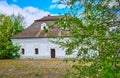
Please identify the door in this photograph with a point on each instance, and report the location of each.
(52, 53)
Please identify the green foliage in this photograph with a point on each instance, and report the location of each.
(9, 51)
(94, 35)
(8, 28)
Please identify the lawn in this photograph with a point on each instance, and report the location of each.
(48, 68)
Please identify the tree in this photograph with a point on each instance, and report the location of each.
(8, 28)
(93, 27)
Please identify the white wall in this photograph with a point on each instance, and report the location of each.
(44, 46)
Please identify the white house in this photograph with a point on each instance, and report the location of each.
(34, 42)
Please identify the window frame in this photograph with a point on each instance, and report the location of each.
(23, 51)
(36, 51)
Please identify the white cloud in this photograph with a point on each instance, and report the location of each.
(54, 1)
(59, 6)
(14, 0)
(30, 13)
(53, 6)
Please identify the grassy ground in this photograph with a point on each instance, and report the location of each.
(53, 68)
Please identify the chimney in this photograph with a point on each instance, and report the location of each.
(49, 15)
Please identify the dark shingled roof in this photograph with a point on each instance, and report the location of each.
(34, 31)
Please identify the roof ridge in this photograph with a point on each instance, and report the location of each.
(48, 18)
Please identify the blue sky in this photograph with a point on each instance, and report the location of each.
(32, 9)
(48, 5)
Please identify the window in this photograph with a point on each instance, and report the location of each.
(36, 50)
(52, 53)
(43, 24)
(44, 27)
(23, 51)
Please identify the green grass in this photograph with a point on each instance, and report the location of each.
(50, 68)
